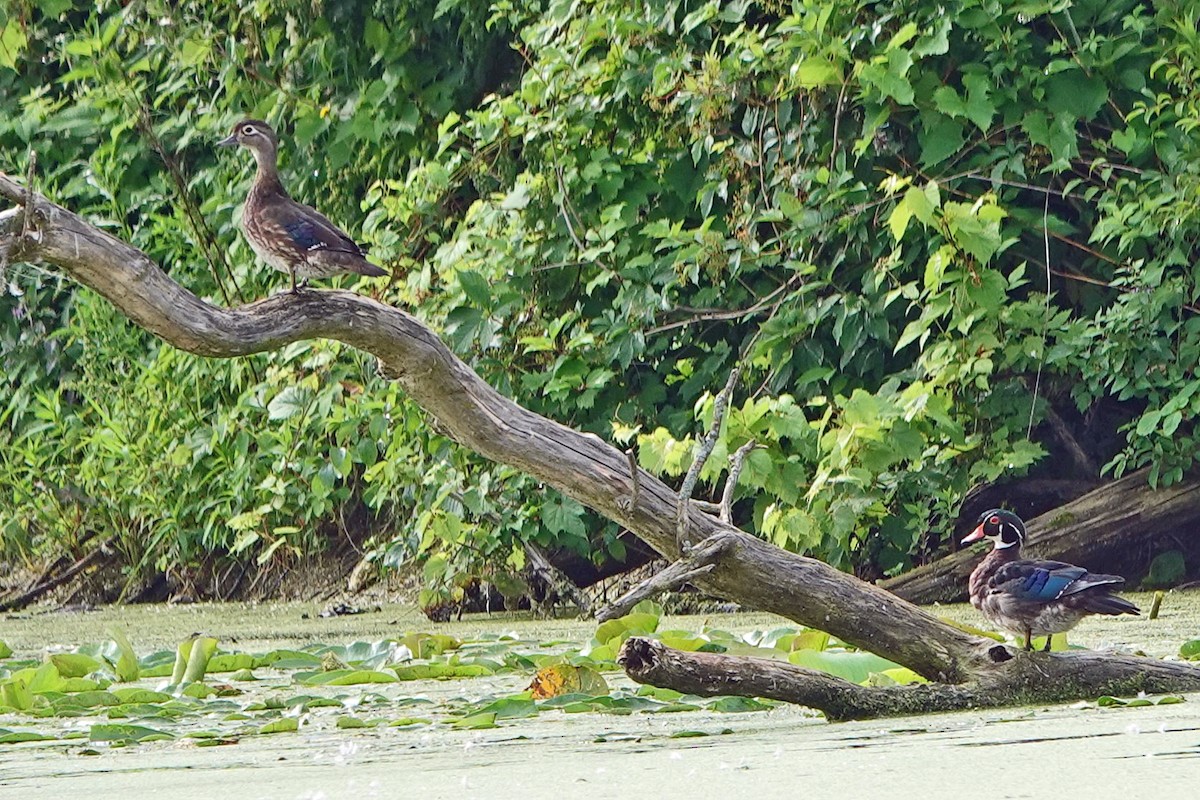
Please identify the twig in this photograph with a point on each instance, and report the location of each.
(708, 314)
(1074, 449)
(703, 451)
(702, 561)
(837, 120)
(30, 170)
(1037, 381)
(204, 235)
(735, 471)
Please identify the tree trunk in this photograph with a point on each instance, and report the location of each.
(1100, 530)
(582, 466)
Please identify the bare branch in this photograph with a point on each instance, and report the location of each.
(703, 451)
(735, 472)
(99, 555)
(701, 561)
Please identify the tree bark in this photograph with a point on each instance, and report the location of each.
(1028, 678)
(1086, 531)
(750, 571)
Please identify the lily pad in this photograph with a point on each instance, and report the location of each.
(126, 733)
(559, 679)
(851, 665)
(284, 725)
(344, 677)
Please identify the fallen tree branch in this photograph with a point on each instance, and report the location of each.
(750, 571)
(96, 556)
(1019, 679)
(700, 561)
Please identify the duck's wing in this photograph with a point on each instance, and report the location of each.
(1044, 581)
(307, 229)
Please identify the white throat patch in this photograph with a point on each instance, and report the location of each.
(1006, 528)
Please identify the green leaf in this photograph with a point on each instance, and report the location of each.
(979, 107)
(290, 402)
(1166, 569)
(344, 677)
(738, 705)
(898, 220)
(15, 693)
(564, 515)
(812, 73)
(853, 666)
(127, 666)
(126, 733)
(349, 723)
(422, 672)
(16, 737)
(74, 665)
(475, 287)
(282, 725)
(1076, 93)
(476, 722)
(940, 137)
(12, 44)
(518, 707)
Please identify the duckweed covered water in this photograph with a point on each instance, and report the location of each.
(482, 736)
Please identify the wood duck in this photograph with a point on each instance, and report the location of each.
(1035, 598)
(290, 236)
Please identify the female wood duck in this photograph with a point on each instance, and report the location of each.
(1035, 598)
(290, 236)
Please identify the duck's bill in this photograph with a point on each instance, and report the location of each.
(973, 536)
(228, 141)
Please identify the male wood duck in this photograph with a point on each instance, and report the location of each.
(290, 236)
(1035, 598)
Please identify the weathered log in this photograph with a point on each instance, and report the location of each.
(103, 553)
(1014, 680)
(1085, 531)
(750, 571)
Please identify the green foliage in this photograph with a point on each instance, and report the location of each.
(903, 217)
(371, 684)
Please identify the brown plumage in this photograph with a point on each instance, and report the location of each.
(290, 236)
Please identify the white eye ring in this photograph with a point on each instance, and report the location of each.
(248, 130)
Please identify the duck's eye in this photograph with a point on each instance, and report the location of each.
(248, 130)
(994, 521)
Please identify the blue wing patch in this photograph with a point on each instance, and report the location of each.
(304, 235)
(1044, 584)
